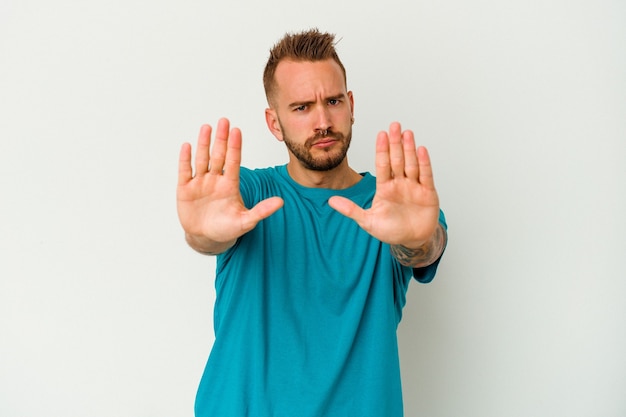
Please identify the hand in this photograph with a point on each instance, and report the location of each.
(209, 203)
(405, 209)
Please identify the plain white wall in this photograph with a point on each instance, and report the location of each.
(104, 311)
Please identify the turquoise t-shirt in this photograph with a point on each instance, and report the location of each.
(306, 312)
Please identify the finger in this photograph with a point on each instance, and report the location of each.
(232, 161)
(396, 153)
(202, 153)
(218, 153)
(383, 167)
(411, 167)
(184, 164)
(425, 168)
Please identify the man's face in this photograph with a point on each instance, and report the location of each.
(312, 113)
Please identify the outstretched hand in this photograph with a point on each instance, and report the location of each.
(405, 209)
(209, 203)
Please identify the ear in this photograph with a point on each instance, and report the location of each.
(271, 118)
(351, 98)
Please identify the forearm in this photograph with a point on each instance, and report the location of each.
(424, 255)
(206, 246)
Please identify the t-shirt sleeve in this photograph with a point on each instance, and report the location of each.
(247, 186)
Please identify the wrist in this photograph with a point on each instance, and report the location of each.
(419, 254)
(204, 245)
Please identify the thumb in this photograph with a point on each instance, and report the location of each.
(261, 210)
(347, 208)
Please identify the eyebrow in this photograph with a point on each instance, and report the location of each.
(339, 96)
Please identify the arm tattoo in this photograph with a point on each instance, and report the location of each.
(425, 254)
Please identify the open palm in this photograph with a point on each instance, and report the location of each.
(405, 209)
(209, 203)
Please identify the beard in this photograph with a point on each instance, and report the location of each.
(331, 157)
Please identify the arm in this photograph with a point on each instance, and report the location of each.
(209, 204)
(405, 209)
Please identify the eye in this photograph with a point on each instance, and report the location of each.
(300, 108)
(333, 101)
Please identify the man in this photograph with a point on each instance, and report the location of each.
(314, 259)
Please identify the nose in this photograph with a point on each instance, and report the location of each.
(323, 122)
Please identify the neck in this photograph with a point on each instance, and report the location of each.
(338, 178)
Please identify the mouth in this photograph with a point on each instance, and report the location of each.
(325, 140)
(324, 143)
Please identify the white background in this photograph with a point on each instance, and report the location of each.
(104, 311)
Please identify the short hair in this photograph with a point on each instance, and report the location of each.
(310, 45)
